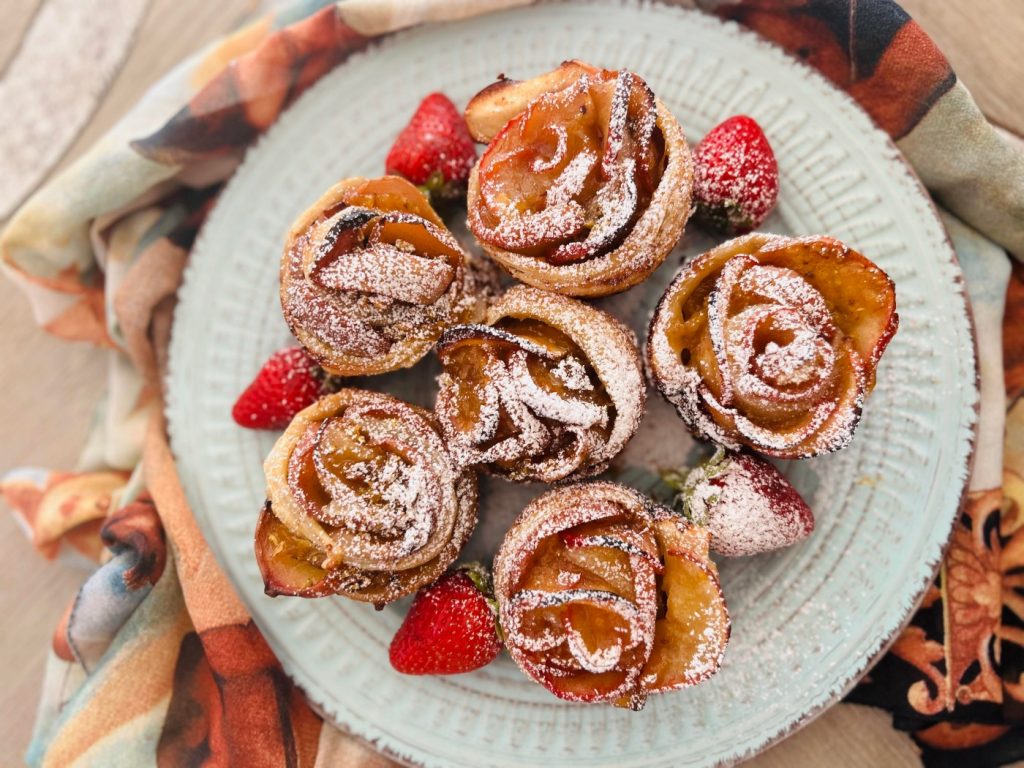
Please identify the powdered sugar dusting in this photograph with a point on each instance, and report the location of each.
(572, 373)
(360, 297)
(787, 381)
(548, 432)
(561, 511)
(748, 506)
(605, 217)
(366, 479)
(545, 613)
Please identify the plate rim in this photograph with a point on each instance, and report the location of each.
(172, 403)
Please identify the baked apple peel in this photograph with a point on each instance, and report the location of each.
(548, 389)
(606, 597)
(363, 500)
(370, 278)
(586, 187)
(772, 342)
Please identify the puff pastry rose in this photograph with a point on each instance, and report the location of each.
(549, 388)
(370, 277)
(772, 342)
(363, 501)
(586, 183)
(605, 596)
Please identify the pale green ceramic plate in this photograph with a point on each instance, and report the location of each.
(808, 621)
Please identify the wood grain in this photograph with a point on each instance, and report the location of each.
(50, 387)
(96, 35)
(50, 430)
(981, 39)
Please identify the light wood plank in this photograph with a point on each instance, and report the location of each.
(845, 736)
(981, 39)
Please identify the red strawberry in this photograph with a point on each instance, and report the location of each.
(747, 504)
(450, 628)
(435, 149)
(288, 382)
(735, 176)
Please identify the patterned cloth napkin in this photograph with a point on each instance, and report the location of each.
(156, 660)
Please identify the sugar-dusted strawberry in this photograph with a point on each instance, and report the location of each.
(451, 626)
(735, 177)
(435, 149)
(747, 504)
(288, 382)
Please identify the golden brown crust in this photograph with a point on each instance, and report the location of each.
(491, 108)
(605, 596)
(549, 389)
(363, 501)
(772, 342)
(651, 235)
(370, 278)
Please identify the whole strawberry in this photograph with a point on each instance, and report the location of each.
(435, 149)
(451, 627)
(735, 177)
(747, 504)
(288, 382)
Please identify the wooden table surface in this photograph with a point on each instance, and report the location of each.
(50, 387)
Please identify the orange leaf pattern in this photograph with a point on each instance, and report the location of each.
(955, 677)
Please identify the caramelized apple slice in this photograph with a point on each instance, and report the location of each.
(289, 565)
(495, 105)
(860, 295)
(554, 343)
(601, 567)
(584, 688)
(580, 603)
(522, 399)
(480, 335)
(610, 553)
(690, 640)
(595, 636)
(582, 644)
(370, 278)
(676, 533)
(772, 342)
(391, 193)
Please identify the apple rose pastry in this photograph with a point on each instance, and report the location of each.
(549, 388)
(370, 278)
(772, 342)
(363, 501)
(605, 596)
(585, 185)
